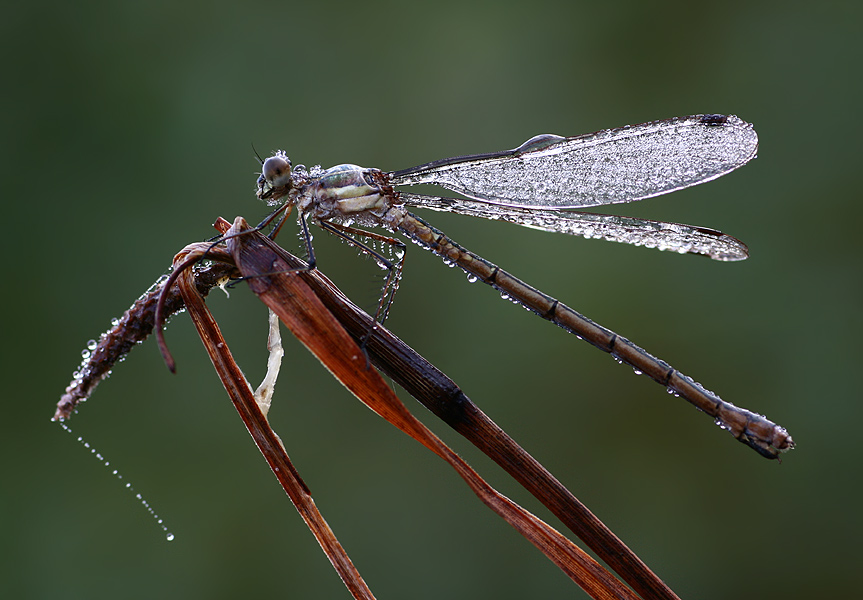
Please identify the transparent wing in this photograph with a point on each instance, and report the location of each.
(606, 167)
(639, 232)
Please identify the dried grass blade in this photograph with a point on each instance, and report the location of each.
(266, 439)
(444, 398)
(313, 324)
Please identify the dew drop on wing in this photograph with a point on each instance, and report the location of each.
(538, 142)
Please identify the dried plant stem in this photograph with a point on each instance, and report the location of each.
(312, 323)
(266, 439)
(444, 398)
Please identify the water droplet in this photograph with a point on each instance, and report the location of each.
(170, 537)
(472, 278)
(140, 498)
(91, 345)
(115, 321)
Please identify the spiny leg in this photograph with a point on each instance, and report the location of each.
(307, 239)
(215, 241)
(394, 269)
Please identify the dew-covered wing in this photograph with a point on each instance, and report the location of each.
(674, 237)
(606, 167)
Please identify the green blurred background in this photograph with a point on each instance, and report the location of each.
(127, 128)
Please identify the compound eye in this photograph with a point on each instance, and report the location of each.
(277, 171)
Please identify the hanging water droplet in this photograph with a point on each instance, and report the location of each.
(115, 321)
(472, 278)
(105, 463)
(91, 345)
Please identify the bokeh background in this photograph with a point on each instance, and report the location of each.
(128, 127)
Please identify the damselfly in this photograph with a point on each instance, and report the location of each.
(537, 185)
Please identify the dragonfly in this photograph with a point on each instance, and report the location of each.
(541, 184)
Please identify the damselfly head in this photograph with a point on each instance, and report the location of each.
(275, 179)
